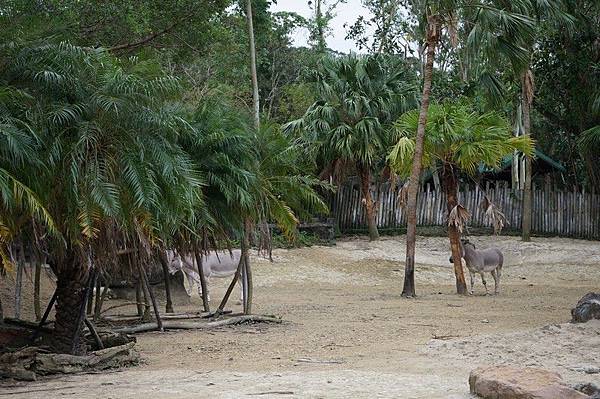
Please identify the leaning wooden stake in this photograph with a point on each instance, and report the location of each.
(44, 317)
(94, 333)
(148, 290)
(236, 277)
(204, 286)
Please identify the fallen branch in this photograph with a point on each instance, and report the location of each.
(170, 316)
(175, 325)
(25, 364)
(320, 361)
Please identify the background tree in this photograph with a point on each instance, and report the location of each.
(349, 125)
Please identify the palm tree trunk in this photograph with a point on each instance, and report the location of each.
(526, 97)
(255, 97)
(138, 299)
(450, 187)
(19, 281)
(205, 304)
(36, 288)
(247, 271)
(433, 27)
(1, 312)
(166, 277)
(72, 288)
(364, 175)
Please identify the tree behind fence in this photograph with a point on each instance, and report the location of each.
(555, 212)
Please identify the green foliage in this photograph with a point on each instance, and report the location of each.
(457, 136)
(359, 96)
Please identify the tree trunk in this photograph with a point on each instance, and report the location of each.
(247, 269)
(255, 97)
(526, 97)
(166, 276)
(1, 312)
(364, 175)
(19, 281)
(319, 22)
(433, 28)
(36, 289)
(72, 287)
(450, 187)
(205, 304)
(138, 299)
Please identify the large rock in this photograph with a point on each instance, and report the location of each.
(587, 308)
(503, 382)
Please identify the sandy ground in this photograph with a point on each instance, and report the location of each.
(349, 334)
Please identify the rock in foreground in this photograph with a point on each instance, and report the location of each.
(503, 382)
(587, 308)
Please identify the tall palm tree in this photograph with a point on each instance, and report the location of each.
(458, 140)
(107, 139)
(359, 97)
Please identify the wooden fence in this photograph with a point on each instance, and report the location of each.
(555, 212)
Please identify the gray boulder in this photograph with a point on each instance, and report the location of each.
(587, 308)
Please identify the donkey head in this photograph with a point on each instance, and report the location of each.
(463, 243)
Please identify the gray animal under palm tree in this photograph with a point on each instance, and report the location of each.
(482, 261)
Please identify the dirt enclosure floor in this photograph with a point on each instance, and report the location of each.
(349, 334)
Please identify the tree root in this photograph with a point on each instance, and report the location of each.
(181, 325)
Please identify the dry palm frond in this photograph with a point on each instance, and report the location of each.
(494, 215)
(403, 194)
(458, 217)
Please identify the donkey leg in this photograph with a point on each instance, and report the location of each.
(495, 276)
(484, 283)
(472, 275)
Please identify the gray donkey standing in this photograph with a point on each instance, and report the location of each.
(481, 261)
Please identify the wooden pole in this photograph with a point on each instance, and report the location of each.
(94, 333)
(148, 290)
(236, 277)
(45, 316)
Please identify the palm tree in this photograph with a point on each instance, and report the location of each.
(253, 177)
(110, 161)
(458, 139)
(434, 17)
(359, 97)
